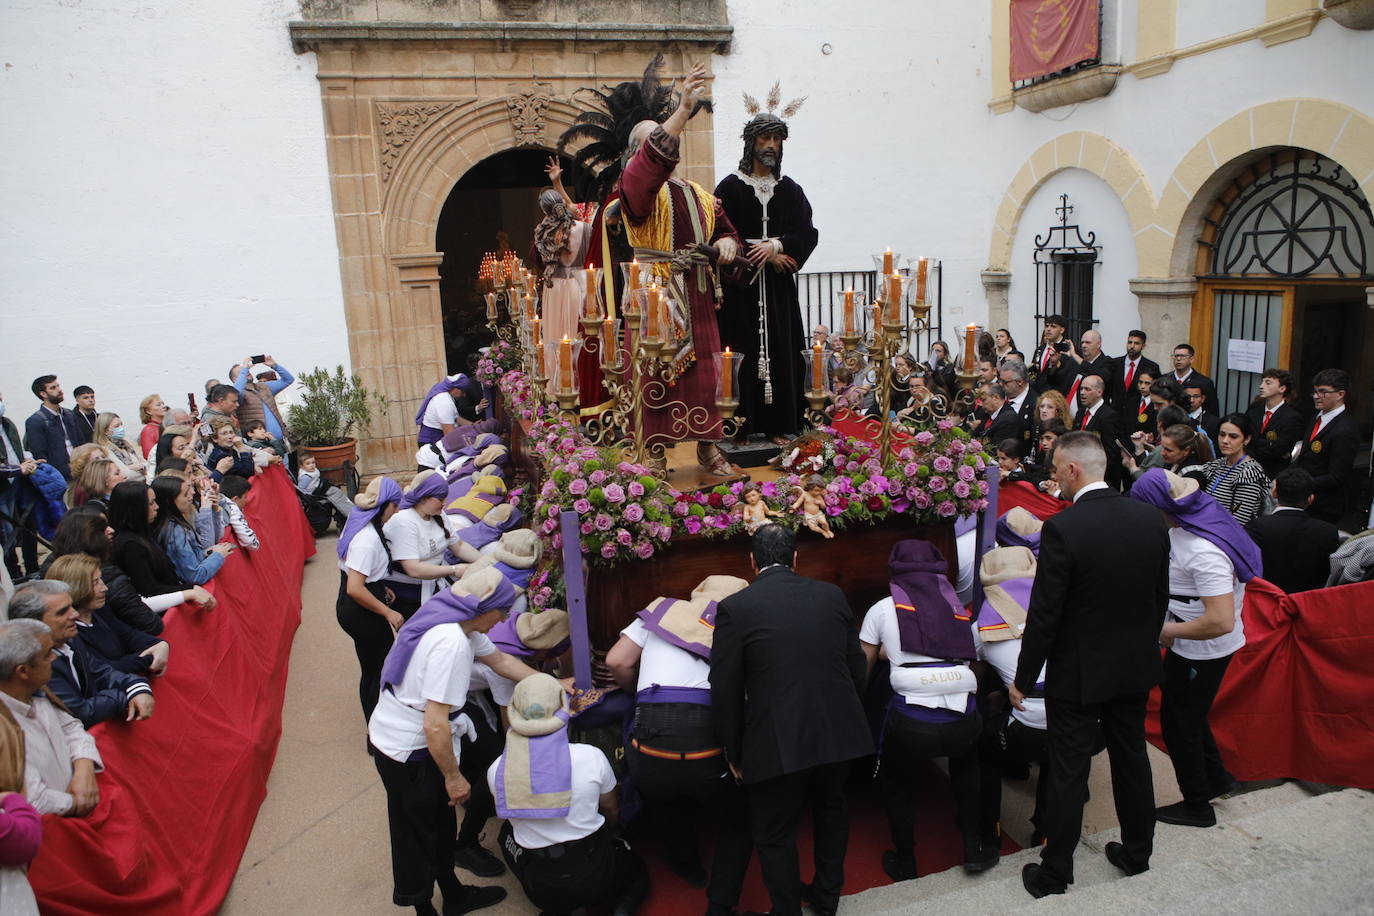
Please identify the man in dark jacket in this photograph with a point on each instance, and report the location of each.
(1277, 424)
(15, 465)
(1329, 447)
(786, 676)
(1296, 547)
(52, 431)
(1096, 609)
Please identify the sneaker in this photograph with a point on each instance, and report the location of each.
(478, 861)
(474, 898)
(1184, 814)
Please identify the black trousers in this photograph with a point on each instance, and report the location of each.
(598, 869)
(422, 827)
(906, 743)
(1073, 736)
(774, 806)
(1005, 740)
(478, 754)
(677, 793)
(372, 639)
(1186, 695)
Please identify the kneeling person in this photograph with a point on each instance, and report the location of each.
(557, 799)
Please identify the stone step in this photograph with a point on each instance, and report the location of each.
(1261, 836)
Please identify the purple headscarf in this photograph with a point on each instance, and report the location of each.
(1200, 514)
(446, 384)
(432, 486)
(358, 519)
(444, 607)
(930, 618)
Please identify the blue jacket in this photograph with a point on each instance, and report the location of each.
(116, 643)
(102, 693)
(44, 439)
(189, 559)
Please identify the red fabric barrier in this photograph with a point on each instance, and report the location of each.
(1041, 505)
(180, 791)
(1295, 701)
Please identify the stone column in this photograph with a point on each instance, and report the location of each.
(1166, 313)
(996, 284)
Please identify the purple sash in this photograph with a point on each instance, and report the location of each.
(443, 607)
(662, 693)
(652, 618)
(518, 577)
(550, 772)
(1200, 514)
(1006, 537)
(359, 519)
(930, 619)
(432, 486)
(482, 533)
(429, 434)
(989, 618)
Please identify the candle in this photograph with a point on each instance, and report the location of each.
(849, 313)
(634, 275)
(608, 341)
(877, 314)
(591, 292)
(665, 320)
(727, 375)
(894, 298)
(491, 306)
(535, 337)
(922, 266)
(529, 308)
(651, 332)
(565, 371)
(817, 367)
(970, 346)
(887, 262)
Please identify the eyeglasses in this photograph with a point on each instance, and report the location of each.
(1323, 392)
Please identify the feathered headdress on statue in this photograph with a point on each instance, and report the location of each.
(607, 124)
(764, 121)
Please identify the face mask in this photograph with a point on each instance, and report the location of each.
(117, 433)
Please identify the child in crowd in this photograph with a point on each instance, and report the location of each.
(227, 445)
(258, 437)
(312, 485)
(233, 492)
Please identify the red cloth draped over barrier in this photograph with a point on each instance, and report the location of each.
(180, 791)
(1050, 35)
(1295, 701)
(1041, 505)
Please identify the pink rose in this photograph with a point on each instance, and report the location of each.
(608, 550)
(644, 550)
(967, 473)
(943, 464)
(635, 489)
(603, 522)
(615, 493)
(586, 527)
(597, 478)
(961, 489)
(925, 437)
(900, 505)
(946, 509)
(936, 484)
(549, 526)
(582, 507)
(728, 500)
(921, 500)
(557, 541)
(721, 521)
(692, 524)
(623, 537)
(634, 512)
(578, 487)
(680, 509)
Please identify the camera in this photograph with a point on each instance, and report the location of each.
(1062, 346)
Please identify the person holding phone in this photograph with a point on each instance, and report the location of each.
(175, 532)
(258, 395)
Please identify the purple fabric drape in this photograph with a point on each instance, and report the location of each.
(444, 607)
(1201, 514)
(432, 486)
(359, 519)
(930, 618)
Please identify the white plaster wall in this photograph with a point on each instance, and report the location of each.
(1096, 209)
(164, 205)
(1203, 21)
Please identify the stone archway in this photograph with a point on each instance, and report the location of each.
(408, 110)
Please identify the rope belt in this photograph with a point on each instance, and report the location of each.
(675, 755)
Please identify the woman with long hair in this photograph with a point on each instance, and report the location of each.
(364, 604)
(175, 442)
(1235, 479)
(111, 435)
(97, 478)
(561, 241)
(87, 530)
(1049, 406)
(175, 531)
(1003, 344)
(133, 510)
(121, 646)
(152, 410)
(1182, 448)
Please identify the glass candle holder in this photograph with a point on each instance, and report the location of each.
(727, 364)
(817, 378)
(560, 359)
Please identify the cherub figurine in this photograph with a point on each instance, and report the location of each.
(811, 502)
(754, 512)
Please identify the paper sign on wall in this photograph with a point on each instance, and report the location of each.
(1245, 355)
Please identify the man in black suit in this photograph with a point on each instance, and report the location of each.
(1092, 362)
(52, 431)
(1127, 369)
(1328, 449)
(1013, 377)
(1184, 373)
(1209, 423)
(1296, 547)
(1096, 609)
(1278, 425)
(786, 676)
(1000, 420)
(1094, 416)
(1050, 366)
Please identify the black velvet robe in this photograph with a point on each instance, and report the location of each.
(789, 215)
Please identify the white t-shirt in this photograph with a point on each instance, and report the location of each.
(366, 555)
(936, 687)
(415, 538)
(483, 678)
(1199, 567)
(442, 411)
(1003, 655)
(439, 670)
(664, 663)
(592, 777)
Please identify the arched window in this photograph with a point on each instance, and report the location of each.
(1292, 214)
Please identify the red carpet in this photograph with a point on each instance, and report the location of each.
(180, 791)
(938, 847)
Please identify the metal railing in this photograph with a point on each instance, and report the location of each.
(819, 296)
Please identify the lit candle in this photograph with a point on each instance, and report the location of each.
(887, 262)
(565, 370)
(535, 337)
(970, 346)
(922, 266)
(727, 375)
(849, 313)
(529, 307)
(817, 367)
(651, 332)
(491, 306)
(591, 292)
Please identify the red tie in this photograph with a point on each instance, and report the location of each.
(1144, 404)
(1315, 426)
(1130, 375)
(1087, 415)
(1269, 413)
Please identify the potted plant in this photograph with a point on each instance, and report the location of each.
(332, 407)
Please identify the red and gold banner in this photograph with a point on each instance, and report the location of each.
(1050, 35)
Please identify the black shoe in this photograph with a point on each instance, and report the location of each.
(691, 871)
(899, 869)
(808, 897)
(1116, 854)
(1184, 814)
(981, 860)
(1036, 883)
(474, 898)
(478, 861)
(1227, 790)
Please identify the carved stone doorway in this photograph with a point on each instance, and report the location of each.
(408, 112)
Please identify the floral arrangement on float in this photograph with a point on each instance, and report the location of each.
(499, 359)
(519, 391)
